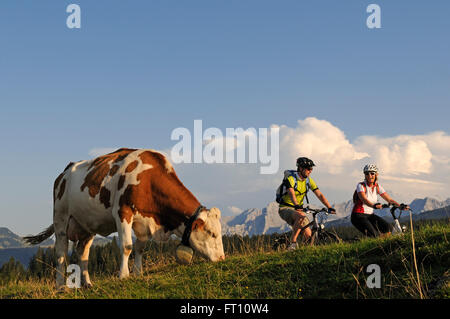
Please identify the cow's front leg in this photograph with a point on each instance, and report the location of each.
(126, 243)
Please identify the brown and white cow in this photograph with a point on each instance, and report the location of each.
(122, 191)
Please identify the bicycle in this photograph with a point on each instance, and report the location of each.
(397, 228)
(318, 233)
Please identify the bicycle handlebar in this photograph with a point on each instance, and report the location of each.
(401, 208)
(394, 207)
(308, 209)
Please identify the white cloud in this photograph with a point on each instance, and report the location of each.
(403, 155)
(411, 180)
(416, 165)
(320, 141)
(411, 166)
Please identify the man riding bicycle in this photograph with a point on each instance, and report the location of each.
(291, 204)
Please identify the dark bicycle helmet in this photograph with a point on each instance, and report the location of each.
(304, 162)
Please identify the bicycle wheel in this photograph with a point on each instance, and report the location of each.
(313, 240)
(280, 242)
(326, 237)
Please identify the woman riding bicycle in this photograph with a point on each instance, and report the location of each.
(365, 200)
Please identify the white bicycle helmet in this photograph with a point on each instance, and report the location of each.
(370, 168)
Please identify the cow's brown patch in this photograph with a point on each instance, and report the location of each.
(56, 184)
(159, 194)
(114, 170)
(125, 213)
(61, 189)
(131, 167)
(105, 196)
(198, 224)
(121, 182)
(68, 166)
(57, 181)
(100, 168)
(115, 156)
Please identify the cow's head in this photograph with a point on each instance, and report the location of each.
(206, 236)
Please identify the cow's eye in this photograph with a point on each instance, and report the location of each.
(213, 235)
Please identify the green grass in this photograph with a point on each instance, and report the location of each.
(331, 271)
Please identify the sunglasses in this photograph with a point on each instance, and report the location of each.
(370, 173)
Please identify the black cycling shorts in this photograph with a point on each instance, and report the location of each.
(370, 224)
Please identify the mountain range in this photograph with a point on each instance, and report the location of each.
(255, 221)
(10, 240)
(12, 245)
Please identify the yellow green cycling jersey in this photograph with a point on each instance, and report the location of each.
(300, 191)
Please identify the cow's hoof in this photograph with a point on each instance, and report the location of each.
(62, 289)
(87, 285)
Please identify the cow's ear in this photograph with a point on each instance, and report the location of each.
(198, 224)
(215, 212)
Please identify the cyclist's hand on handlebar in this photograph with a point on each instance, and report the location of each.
(377, 206)
(331, 210)
(404, 207)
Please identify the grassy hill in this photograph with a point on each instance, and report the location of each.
(331, 271)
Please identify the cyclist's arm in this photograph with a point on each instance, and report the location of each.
(362, 196)
(321, 197)
(290, 184)
(388, 199)
(291, 193)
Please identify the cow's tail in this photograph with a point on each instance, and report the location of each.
(34, 240)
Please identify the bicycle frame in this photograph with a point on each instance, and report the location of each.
(316, 227)
(397, 227)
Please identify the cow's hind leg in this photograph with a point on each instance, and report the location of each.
(138, 250)
(60, 223)
(83, 238)
(83, 247)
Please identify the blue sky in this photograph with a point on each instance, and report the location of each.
(137, 70)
